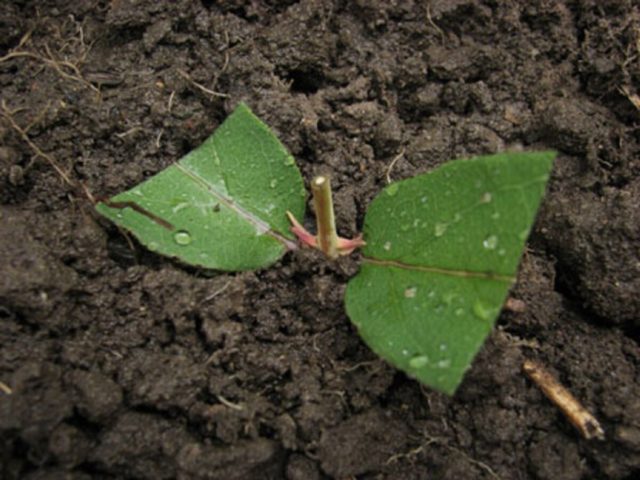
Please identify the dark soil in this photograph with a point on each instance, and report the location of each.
(116, 363)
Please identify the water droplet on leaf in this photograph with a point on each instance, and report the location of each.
(448, 298)
(490, 243)
(481, 311)
(387, 246)
(180, 206)
(182, 237)
(392, 189)
(419, 361)
(410, 292)
(273, 183)
(445, 363)
(485, 198)
(153, 246)
(440, 228)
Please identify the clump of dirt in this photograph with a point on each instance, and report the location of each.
(117, 363)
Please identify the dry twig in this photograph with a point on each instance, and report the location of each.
(230, 404)
(634, 98)
(442, 443)
(8, 115)
(199, 86)
(393, 164)
(5, 388)
(579, 416)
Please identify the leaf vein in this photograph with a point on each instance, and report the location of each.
(257, 222)
(444, 271)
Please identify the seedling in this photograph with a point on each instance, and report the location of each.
(441, 252)
(327, 240)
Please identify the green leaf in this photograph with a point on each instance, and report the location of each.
(442, 252)
(223, 206)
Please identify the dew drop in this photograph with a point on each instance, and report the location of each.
(448, 298)
(457, 217)
(288, 160)
(481, 311)
(387, 246)
(405, 352)
(392, 189)
(459, 312)
(180, 206)
(423, 199)
(273, 183)
(486, 197)
(443, 347)
(404, 227)
(444, 363)
(523, 235)
(419, 361)
(490, 243)
(502, 252)
(495, 215)
(410, 292)
(440, 228)
(182, 237)
(416, 222)
(153, 246)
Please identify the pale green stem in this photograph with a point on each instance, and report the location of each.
(323, 202)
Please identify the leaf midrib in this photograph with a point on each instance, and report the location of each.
(443, 271)
(231, 204)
